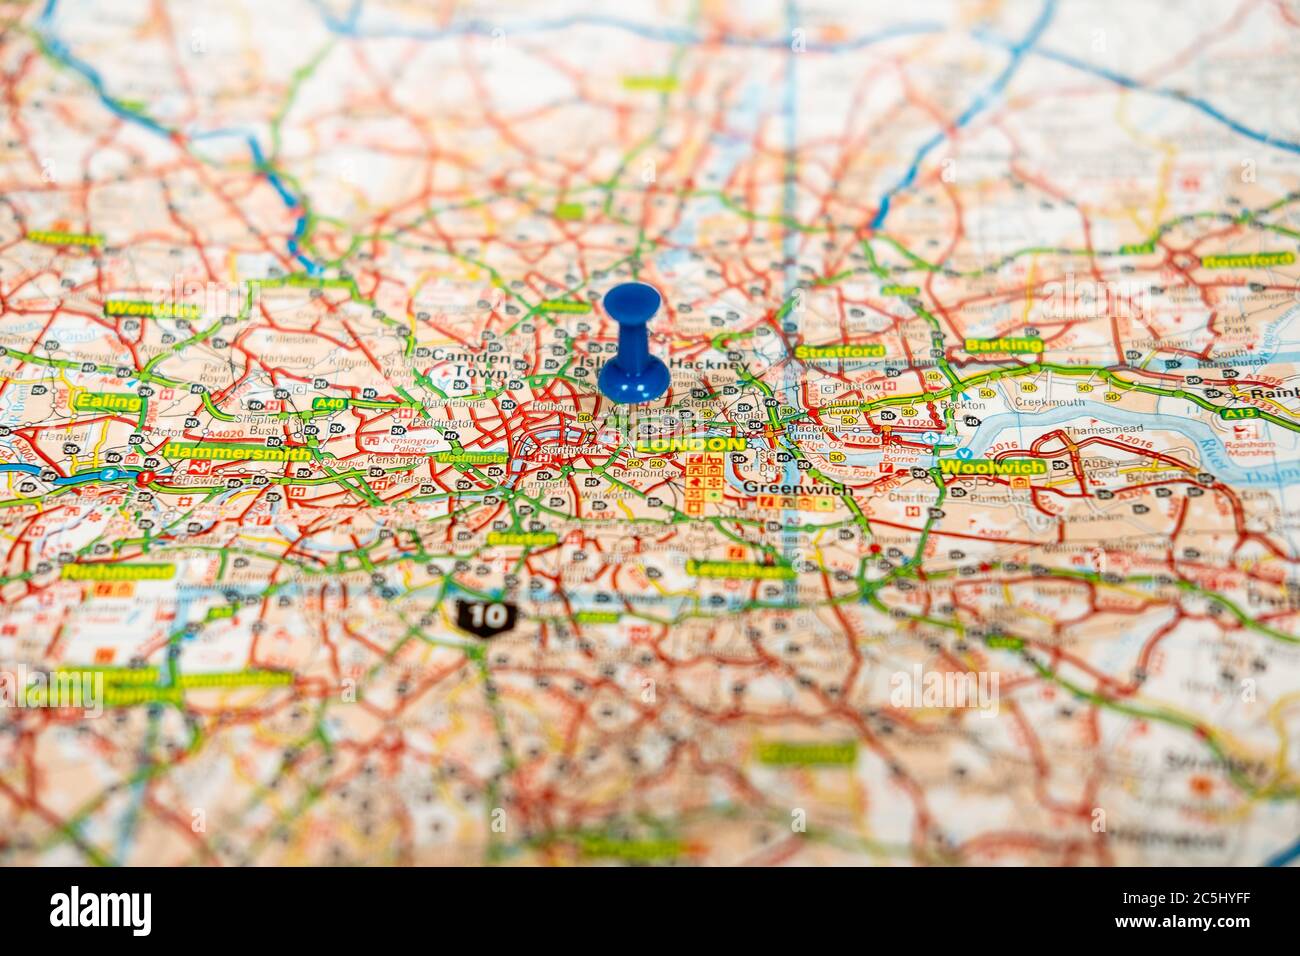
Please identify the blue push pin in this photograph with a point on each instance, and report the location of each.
(633, 375)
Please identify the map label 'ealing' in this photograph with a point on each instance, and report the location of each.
(106, 402)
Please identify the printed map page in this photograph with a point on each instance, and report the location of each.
(967, 533)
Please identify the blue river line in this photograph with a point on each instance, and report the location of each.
(350, 26)
(60, 50)
(1286, 856)
(80, 478)
(1018, 52)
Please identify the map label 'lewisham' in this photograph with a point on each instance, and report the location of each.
(738, 569)
(987, 466)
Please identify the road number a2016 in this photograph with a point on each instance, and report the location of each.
(486, 618)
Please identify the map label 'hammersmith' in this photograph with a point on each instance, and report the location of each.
(233, 451)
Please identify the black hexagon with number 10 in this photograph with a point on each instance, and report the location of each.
(486, 618)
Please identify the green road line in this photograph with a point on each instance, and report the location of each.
(216, 412)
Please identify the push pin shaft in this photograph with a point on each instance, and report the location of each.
(633, 375)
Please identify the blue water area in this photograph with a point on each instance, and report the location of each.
(1211, 444)
(80, 478)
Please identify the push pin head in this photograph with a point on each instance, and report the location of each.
(633, 375)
